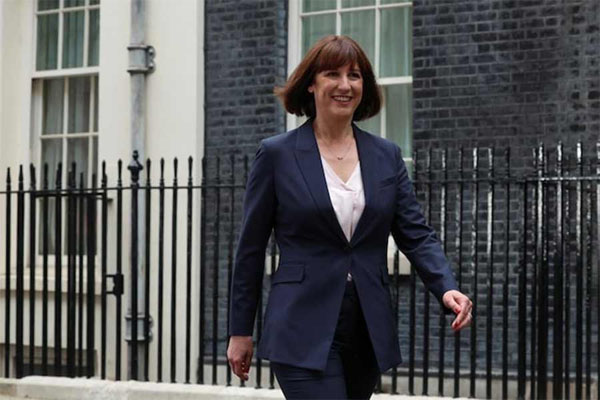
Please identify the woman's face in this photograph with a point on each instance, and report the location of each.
(337, 92)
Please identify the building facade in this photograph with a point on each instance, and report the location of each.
(453, 74)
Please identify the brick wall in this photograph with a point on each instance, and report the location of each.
(246, 46)
(512, 71)
(246, 56)
(486, 73)
(496, 74)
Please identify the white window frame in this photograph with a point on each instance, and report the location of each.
(60, 71)
(38, 78)
(37, 109)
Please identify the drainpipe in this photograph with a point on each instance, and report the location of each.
(141, 63)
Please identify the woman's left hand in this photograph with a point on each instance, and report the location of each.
(461, 305)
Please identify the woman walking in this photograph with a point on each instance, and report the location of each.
(332, 193)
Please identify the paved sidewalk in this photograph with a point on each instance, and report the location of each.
(46, 388)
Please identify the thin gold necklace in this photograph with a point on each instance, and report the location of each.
(339, 158)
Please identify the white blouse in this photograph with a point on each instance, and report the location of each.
(347, 198)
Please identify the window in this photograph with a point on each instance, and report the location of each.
(383, 28)
(67, 34)
(65, 91)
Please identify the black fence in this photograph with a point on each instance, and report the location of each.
(521, 232)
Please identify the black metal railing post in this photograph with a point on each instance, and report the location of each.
(148, 226)
(426, 294)
(230, 250)
(443, 231)
(459, 252)
(474, 267)
(202, 283)
(71, 269)
(542, 244)
(522, 299)
(118, 275)
(20, 273)
(188, 280)
(80, 248)
(505, 299)
(215, 273)
(490, 272)
(161, 270)
(44, 218)
(557, 354)
(134, 168)
(58, 272)
(7, 275)
(103, 261)
(173, 355)
(579, 282)
(596, 206)
(91, 281)
(412, 303)
(32, 268)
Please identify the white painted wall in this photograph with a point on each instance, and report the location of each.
(175, 121)
(17, 45)
(175, 90)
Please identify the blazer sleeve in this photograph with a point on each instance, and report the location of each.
(257, 222)
(417, 240)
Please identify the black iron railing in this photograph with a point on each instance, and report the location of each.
(521, 233)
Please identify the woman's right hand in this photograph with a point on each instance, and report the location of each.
(239, 355)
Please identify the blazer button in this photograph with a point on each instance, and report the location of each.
(347, 248)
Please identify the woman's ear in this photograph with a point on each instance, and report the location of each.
(310, 89)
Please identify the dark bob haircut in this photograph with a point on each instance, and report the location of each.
(330, 52)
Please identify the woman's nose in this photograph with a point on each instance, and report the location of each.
(344, 82)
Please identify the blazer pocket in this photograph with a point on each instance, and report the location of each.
(288, 273)
(387, 181)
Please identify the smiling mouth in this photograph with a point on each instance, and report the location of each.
(343, 99)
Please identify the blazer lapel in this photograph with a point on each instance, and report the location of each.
(309, 162)
(368, 170)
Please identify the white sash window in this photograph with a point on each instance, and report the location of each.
(383, 28)
(65, 95)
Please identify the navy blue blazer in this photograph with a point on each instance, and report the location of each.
(286, 191)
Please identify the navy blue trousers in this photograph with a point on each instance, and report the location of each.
(351, 372)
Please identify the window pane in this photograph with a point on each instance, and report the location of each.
(357, 3)
(52, 155)
(318, 5)
(79, 104)
(94, 38)
(94, 2)
(396, 47)
(47, 42)
(73, 39)
(77, 152)
(95, 129)
(47, 4)
(52, 107)
(398, 116)
(314, 28)
(74, 3)
(371, 125)
(360, 26)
